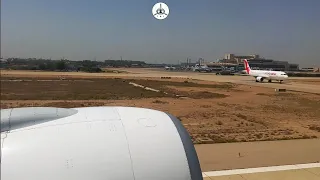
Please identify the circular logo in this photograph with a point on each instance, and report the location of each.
(160, 11)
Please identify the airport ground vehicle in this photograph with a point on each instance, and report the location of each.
(225, 72)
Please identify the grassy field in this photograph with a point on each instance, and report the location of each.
(98, 89)
(211, 112)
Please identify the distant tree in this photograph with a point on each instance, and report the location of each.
(51, 65)
(91, 69)
(42, 66)
(61, 65)
(123, 63)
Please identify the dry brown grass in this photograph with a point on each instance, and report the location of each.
(74, 89)
(212, 112)
(90, 89)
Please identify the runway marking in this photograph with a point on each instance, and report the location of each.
(151, 89)
(260, 169)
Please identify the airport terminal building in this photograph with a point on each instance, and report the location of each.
(259, 63)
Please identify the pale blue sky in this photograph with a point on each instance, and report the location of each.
(82, 29)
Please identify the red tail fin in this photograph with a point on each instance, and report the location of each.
(246, 66)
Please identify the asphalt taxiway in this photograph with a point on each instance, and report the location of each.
(287, 172)
(239, 79)
(156, 73)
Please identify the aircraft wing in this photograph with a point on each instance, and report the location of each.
(118, 143)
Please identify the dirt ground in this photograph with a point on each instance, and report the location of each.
(212, 112)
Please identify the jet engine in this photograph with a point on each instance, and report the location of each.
(259, 79)
(98, 143)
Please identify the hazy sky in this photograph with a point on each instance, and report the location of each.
(84, 29)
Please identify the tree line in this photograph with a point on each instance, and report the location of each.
(65, 65)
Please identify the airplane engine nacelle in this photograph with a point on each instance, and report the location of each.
(259, 79)
(97, 143)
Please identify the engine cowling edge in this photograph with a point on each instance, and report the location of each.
(192, 157)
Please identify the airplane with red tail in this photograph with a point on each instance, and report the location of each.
(261, 75)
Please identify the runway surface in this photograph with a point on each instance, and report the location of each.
(249, 80)
(257, 154)
(294, 86)
(287, 172)
(145, 72)
(276, 160)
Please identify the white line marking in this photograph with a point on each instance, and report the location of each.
(204, 175)
(260, 169)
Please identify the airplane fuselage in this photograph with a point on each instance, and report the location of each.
(260, 75)
(269, 75)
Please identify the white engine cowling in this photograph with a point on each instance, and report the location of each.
(259, 79)
(95, 143)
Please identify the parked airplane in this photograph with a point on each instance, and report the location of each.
(260, 75)
(169, 68)
(118, 143)
(201, 68)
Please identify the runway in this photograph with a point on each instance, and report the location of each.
(276, 160)
(287, 172)
(247, 80)
(157, 73)
(257, 154)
